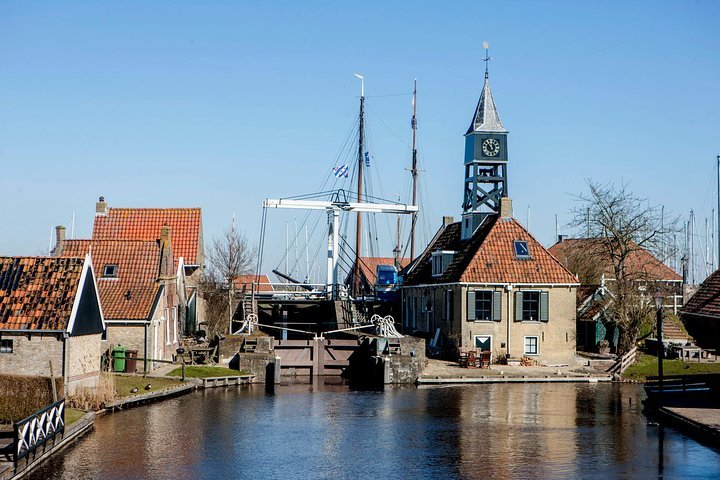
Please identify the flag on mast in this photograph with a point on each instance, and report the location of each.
(341, 171)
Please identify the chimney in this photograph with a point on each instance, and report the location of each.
(505, 207)
(165, 235)
(59, 240)
(166, 260)
(447, 221)
(101, 208)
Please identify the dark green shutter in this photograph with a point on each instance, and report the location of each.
(497, 306)
(470, 305)
(543, 306)
(518, 306)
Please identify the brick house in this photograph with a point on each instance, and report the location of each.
(138, 288)
(50, 313)
(188, 246)
(485, 282)
(498, 290)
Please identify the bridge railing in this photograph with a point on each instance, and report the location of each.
(34, 431)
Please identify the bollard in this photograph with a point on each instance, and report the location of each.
(276, 369)
(183, 371)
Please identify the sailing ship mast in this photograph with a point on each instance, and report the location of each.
(358, 227)
(414, 171)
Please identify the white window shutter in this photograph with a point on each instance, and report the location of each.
(518, 306)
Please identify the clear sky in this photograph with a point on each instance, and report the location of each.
(221, 104)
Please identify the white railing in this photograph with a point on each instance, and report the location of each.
(33, 431)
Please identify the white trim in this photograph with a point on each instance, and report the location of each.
(87, 265)
(167, 326)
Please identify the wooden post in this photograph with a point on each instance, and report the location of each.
(183, 371)
(52, 383)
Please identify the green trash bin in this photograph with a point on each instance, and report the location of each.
(119, 359)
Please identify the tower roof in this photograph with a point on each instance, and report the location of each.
(486, 118)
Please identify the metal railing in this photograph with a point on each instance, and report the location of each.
(34, 431)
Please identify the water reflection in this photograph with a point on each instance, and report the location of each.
(334, 432)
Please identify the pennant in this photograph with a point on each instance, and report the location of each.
(367, 159)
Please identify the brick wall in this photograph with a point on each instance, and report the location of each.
(83, 362)
(32, 355)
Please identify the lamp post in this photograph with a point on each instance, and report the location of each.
(658, 298)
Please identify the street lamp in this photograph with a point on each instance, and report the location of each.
(658, 298)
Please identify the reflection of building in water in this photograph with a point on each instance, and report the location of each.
(518, 431)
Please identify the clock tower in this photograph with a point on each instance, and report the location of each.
(485, 161)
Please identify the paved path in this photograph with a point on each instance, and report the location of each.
(443, 369)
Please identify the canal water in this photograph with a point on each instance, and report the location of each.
(335, 432)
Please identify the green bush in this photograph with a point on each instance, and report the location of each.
(24, 395)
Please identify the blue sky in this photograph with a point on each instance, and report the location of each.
(221, 104)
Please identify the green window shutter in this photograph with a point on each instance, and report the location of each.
(543, 306)
(470, 305)
(497, 306)
(518, 306)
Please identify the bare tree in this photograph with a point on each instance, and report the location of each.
(230, 256)
(620, 226)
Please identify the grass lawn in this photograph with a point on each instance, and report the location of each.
(204, 371)
(646, 366)
(123, 384)
(72, 415)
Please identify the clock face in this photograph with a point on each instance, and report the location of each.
(491, 147)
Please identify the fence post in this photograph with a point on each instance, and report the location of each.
(183, 371)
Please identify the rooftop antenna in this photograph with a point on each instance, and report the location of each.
(487, 58)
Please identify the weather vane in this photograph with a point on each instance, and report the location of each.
(487, 58)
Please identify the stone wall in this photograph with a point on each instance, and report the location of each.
(83, 361)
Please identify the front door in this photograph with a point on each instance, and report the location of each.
(483, 343)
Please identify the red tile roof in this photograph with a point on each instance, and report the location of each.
(132, 294)
(37, 293)
(489, 257)
(640, 263)
(244, 283)
(145, 224)
(706, 300)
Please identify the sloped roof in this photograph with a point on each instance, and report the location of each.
(640, 263)
(244, 283)
(368, 266)
(489, 257)
(131, 295)
(486, 118)
(145, 224)
(706, 300)
(37, 293)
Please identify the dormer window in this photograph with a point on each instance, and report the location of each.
(441, 259)
(521, 249)
(110, 271)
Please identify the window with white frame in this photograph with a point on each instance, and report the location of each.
(440, 260)
(531, 345)
(167, 326)
(6, 345)
(175, 324)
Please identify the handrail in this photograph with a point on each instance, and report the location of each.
(33, 431)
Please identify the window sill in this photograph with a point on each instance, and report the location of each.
(532, 354)
(482, 321)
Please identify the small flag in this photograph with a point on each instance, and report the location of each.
(367, 159)
(341, 171)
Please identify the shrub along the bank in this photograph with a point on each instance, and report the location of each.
(22, 395)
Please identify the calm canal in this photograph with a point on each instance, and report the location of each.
(334, 432)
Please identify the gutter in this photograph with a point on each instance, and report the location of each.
(470, 284)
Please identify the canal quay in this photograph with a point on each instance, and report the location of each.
(335, 431)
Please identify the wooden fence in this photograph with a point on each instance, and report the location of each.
(624, 362)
